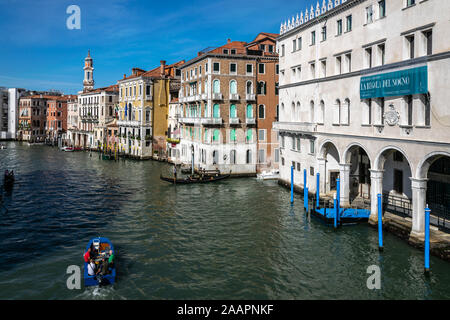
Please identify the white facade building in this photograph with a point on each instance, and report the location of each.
(363, 98)
(9, 112)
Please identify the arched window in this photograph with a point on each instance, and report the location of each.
(215, 157)
(261, 87)
(298, 112)
(337, 112)
(311, 112)
(249, 111)
(249, 136)
(233, 112)
(216, 86)
(261, 111)
(249, 87)
(233, 135)
(293, 118)
(216, 111)
(345, 112)
(216, 135)
(321, 116)
(233, 87)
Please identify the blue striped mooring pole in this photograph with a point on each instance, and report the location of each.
(292, 184)
(305, 191)
(317, 190)
(380, 223)
(336, 210)
(338, 198)
(427, 240)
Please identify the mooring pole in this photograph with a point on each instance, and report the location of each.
(380, 223)
(338, 198)
(305, 191)
(292, 184)
(336, 212)
(317, 190)
(427, 240)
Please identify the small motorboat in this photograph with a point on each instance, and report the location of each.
(100, 248)
(196, 179)
(269, 175)
(67, 149)
(2, 147)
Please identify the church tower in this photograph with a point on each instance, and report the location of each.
(88, 82)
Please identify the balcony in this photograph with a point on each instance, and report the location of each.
(204, 96)
(250, 121)
(250, 97)
(190, 120)
(217, 96)
(234, 120)
(211, 121)
(234, 97)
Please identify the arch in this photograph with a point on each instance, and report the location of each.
(216, 86)
(261, 111)
(216, 111)
(293, 113)
(248, 157)
(381, 156)
(321, 114)
(233, 111)
(249, 111)
(427, 161)
(323, 148)
(347, 152)
(311, 111)
(298, 112)
(233, 87)
(249, 87)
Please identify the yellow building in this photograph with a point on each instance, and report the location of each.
(143, 110)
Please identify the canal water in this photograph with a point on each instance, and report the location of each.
(237, 239)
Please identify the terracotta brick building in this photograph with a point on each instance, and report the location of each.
(220, 93)
(56, 118)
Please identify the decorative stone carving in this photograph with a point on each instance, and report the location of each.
(311, 13)
(330, 5)
(301, 18)
(336, 3)
(306, 15)
(392, 117)
(317, 9)
(324, 6)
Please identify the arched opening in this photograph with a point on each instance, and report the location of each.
(395, 184)
(329, 168)
(216, 86)
(249, 87)
(311, 112)
(215, 157)
(233, 157)
(436, 169)
(298, 112)
(249, 111)
(130, 111)
(357, 166)
(216, 111)
(293, 112)
(233, 111)
(248, 157)
(233, 87)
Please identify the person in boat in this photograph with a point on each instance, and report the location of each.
(111, 259)
(175, 172)
(91, 268)
(103, 269)
(87, 256)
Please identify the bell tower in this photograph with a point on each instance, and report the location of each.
(88, 82)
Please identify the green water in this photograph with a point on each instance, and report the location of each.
(236, 239)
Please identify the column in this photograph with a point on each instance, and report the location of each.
(376, 179)
(419, 197)
(344, 173)
(323, 175)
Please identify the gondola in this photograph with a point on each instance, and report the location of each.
(195, 179)
(102, 246)
(9, 178)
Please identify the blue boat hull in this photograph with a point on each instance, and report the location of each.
(99, 280)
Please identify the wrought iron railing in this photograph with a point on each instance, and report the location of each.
(397, 205)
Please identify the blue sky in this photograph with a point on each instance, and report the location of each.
(38, 51)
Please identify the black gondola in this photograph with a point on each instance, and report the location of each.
(195, 179)
(9, 178)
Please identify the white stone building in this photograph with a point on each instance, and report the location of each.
(9, 112)
(363, 97)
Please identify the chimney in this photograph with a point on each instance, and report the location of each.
(124, 75)
(163, 68)
(228, 40)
